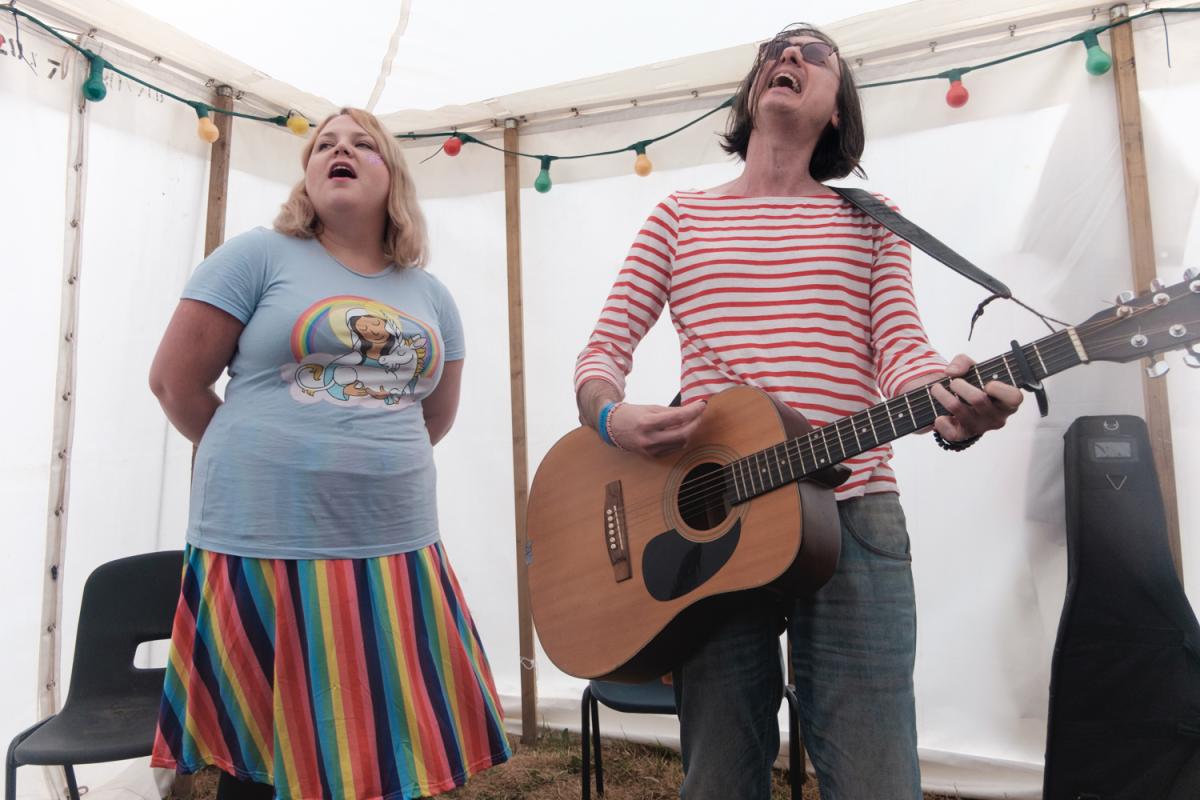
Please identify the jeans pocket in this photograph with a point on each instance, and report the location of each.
(877, 523)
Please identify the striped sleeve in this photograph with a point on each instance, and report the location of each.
(635, 301)
(901, 347)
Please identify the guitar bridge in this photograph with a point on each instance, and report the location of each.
(616, 540)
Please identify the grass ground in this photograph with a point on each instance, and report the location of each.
(549, 770)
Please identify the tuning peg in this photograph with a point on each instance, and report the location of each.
(1192, 360)
(1157, 368)
(1190, 274)
(1156, 285)
(1125, 298)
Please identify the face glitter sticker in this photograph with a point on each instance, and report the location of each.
(374, 158)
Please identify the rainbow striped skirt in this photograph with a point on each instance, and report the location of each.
(354, 678)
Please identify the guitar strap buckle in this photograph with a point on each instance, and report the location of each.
(1028, 383)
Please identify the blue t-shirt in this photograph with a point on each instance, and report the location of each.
(320, 449)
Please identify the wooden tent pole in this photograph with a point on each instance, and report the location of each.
(218, 173)
(1141, 243)
(516, 357)
(183, 786)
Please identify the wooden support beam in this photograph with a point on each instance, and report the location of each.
(218, 172)
(1141, 244)
(516, 357)
(183, 786)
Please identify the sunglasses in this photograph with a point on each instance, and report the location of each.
(816, 53)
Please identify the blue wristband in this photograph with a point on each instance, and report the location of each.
(602, 424)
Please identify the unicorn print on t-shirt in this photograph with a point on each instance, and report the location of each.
(381, 355)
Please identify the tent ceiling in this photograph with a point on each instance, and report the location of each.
(456, 53)
(452, 56)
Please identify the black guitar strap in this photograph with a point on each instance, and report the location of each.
(879, 211)
(874, 208)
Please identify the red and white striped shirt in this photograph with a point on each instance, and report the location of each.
(804, 297)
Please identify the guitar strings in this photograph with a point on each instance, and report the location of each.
(697, 493)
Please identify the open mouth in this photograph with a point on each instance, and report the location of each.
(342, 171)
(786, 81)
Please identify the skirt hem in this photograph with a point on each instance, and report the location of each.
(452, 783)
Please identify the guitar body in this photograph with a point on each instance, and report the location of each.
(617, 552)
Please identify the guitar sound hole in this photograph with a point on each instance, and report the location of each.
(701, 498)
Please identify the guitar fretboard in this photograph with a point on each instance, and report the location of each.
(832, 444)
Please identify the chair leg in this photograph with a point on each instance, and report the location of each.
(72, 786)
(795, 753)
(596, 746)
(10, 761)
(585, 732)
(10, 774)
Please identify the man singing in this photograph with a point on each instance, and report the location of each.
(776, 282)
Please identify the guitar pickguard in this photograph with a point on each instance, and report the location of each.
(672, 566)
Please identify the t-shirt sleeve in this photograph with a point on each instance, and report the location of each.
(449, 321)
(234, 277)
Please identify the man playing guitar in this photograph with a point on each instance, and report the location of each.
(775, 282)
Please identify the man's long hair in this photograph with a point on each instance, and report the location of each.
(839, 149)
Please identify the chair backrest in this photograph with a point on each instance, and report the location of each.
(125, 602)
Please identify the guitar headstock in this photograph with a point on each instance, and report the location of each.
(1160, 319)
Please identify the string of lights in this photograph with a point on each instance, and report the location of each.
(1097, 62)
(94, 89)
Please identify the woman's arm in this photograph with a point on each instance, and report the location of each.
(198, 344)
(441, 406)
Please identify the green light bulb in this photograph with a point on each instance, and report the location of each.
(543, 182)
(1098, 61)
(94, 88)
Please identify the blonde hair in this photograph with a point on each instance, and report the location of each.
(404, 238)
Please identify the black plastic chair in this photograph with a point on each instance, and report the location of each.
(111, 708)
(656, 697)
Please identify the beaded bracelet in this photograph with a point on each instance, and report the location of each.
(955, 447)
(604, 424)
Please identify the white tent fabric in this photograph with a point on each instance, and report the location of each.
(446, 73)
(1025, 180)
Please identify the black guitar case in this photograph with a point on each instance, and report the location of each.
(1124, 719)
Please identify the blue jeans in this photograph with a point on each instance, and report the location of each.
(853, 649)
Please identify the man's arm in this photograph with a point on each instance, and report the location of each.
(644, 429)
(973, 411)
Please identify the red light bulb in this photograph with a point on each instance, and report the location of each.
(957, 95)
(452, 146)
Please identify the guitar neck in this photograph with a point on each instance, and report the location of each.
(832, 444)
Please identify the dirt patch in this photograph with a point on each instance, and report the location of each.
(550, 770)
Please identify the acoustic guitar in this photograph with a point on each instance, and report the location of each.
(621, 546)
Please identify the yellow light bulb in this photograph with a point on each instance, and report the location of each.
(298, 124)
(207, 131)
(642, 165)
